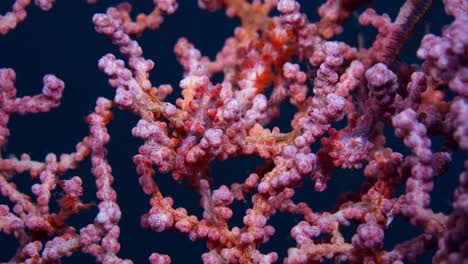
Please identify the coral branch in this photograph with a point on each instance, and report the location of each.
(345, 104)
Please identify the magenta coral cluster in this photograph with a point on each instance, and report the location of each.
(275, 56)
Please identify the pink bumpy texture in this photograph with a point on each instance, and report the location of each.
(268, 60)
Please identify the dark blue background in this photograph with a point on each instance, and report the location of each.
(63, 42)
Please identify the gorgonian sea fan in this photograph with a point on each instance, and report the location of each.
(298, 113)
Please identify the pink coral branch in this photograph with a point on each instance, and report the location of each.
(270, 60)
